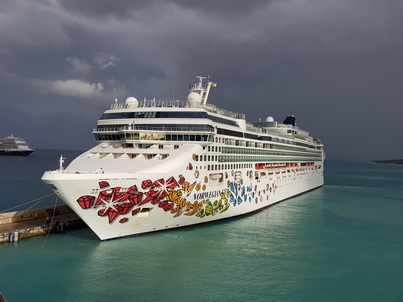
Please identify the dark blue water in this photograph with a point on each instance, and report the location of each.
(342, 242)
(20, 178)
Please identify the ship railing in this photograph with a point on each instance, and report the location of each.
(178, 104)
(152, 103)
(65, 171)
(214, 109)
(251, 128)
(147, 128)
(285, 126)
(316, 140)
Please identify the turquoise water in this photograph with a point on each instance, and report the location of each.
(342, 242)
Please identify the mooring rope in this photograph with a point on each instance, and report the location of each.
(37, 200)
(51, 222)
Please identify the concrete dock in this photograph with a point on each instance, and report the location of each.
(15, 226)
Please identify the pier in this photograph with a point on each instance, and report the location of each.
(15, 226)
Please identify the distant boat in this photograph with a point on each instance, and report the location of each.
(12, 145)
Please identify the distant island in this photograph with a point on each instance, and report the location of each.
(388, 161)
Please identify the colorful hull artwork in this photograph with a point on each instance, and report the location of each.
(171, 196)
(201, 199)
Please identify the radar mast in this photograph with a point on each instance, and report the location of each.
(202, 90)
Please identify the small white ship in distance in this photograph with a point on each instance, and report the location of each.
(160, 165)
(12, 145)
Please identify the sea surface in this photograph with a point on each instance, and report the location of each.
(341, 242)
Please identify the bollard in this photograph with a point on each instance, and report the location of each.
(15, 237)
(60, 227)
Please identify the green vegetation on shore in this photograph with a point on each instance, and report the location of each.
(388, 161)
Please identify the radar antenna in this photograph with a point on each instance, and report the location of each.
(202, 90)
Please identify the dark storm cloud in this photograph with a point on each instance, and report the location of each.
(336, 65)
(125, 8)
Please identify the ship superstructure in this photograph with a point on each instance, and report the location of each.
(167, 164)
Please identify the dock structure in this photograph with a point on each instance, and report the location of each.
(15, 226)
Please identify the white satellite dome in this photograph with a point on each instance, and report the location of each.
(269, 119)
(131, 102)
(194, 97)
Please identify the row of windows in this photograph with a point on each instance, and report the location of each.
(158, 127)
(190, 128)
(253, 150)
(222, 120)
(244, 143)
(167, 114)
(230, 150)
(189, 137)
(201, 128)
(257, 174)
(230, 166)
(256, 137)
(154, 136)
(229, 132)
(246, 158)
(200, 138)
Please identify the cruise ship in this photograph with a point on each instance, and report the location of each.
(160, 165)
(12, 145)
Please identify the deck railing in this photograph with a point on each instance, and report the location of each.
(177, 104)
(147, 128)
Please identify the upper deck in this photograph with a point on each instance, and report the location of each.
(148, 120)
(170, 105)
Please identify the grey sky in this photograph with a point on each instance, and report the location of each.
(336, 65)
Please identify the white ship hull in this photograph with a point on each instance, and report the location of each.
(125, 204)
